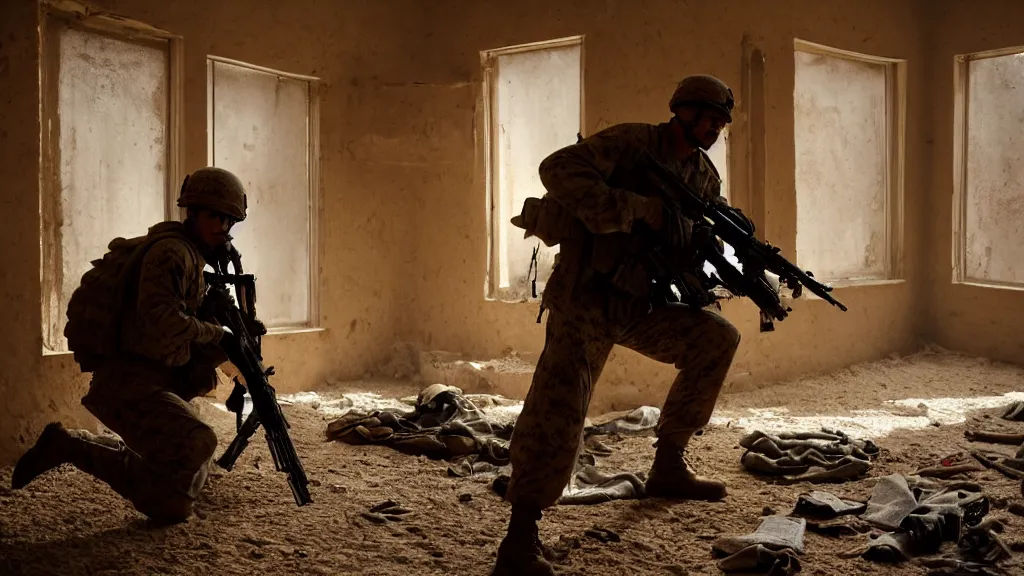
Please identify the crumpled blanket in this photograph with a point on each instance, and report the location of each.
(445, 425)
(916, 515)
(588, 485)
(826, 456)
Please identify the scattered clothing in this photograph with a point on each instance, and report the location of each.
(946, 566)
(445, 425)
(1012, 467)
(1014, 412)
(918, 516)
(639, 421)
(772, 548)
(826, 456)
(588, 485)
(825, 505)
(760, 559)
(839, 527)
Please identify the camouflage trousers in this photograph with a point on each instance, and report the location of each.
(162, 463)
(548, 432)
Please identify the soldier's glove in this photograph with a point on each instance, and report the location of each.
(653, 212)
(216, 298)
(230, 343)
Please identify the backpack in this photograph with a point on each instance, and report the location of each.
(96, 308)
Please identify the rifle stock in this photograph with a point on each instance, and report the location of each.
(757, 257)
(247, 357)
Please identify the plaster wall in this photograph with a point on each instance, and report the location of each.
(633, 58)
(975, 319)
(361, 50)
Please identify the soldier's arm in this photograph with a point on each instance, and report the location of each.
(161, 301)
(577, 178)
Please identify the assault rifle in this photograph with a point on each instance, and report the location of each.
(247, 356)
(711, 219)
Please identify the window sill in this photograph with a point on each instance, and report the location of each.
(270, 332)
(846, 284)
(867, 282)
(286, 331)
(990, 285)
(512, 300)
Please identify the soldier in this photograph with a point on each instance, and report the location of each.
(599, 295)
(166, 356)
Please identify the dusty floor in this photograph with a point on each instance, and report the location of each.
(67, 523)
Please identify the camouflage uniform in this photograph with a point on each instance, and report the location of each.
(600, 181)
(141, 393)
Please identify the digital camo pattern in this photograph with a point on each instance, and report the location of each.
(600, 180)
(549, 431)
(168, 354)
(162, 323)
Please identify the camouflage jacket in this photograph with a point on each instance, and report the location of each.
(602, 182)
(160, 321)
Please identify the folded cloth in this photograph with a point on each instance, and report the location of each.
(774, 533)
(826, 456)
(758, 558)
(891, 501)
(591, 485)
(890, 547)
(842, 526)
(638, 421)
(826, 505)
(588, 485)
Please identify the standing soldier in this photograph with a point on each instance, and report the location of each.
(599, 295)
(138, 324)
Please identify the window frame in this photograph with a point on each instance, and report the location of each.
(314, 318)
(961, 112)
(53, 19)
(489, 65)
(895, 153)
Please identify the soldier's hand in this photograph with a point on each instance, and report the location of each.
(654, 213)
(229, 343)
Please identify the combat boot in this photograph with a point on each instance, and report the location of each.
(521, 552)
(49, 452)
(102, 457)
(671, 477)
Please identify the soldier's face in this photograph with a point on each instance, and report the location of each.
(213, 227)
(701, 127)
(708, 127)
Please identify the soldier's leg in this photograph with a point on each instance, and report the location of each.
(160, 467)
(163, 466)
(547, 434)
(701, 345)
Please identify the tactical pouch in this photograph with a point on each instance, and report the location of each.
(632, 278)
(546, 219)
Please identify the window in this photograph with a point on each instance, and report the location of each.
(989, 168)
(108, 150)
(848, 130)
(264, 127)
(533, 106)
(719, 154)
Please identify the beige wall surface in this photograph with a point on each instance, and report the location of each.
(364, 53)
(976, 319)
(635, 53)
(403, 226)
